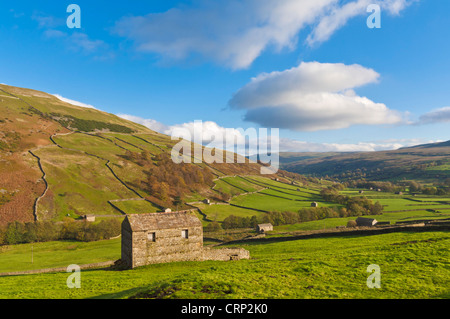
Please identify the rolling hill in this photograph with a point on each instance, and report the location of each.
(59, 160)
(426, 163)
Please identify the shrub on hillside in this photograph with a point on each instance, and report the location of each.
(351, 223)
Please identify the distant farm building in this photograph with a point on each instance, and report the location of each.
(366, 222)
(262, 228)
(167, 210)
(314, 204)
(89, 218)
(207, 202)
(168, 237)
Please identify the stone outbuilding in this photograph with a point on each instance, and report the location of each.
(262, 228)
(168, 237)
(314, 204)
(366, 222)
(89, 218)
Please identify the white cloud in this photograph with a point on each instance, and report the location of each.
(233, 33)
(236, 32)
(290, 145)
(73, 102)
(243, 143)
(149, 123)
(77, 41)
(47, 21)
(340, 14)
(441, 115)
(313, 96)
(82, 42)
(206, 131)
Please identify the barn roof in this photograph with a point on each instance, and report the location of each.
(265, 225)
(154, 221)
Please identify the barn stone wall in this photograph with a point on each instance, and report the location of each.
(169, 246)
(224, 254)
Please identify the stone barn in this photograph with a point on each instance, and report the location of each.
(168, 237)
(314, 204)
(262, 228)
(89, 218)
(367, 222)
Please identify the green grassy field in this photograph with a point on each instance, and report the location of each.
(220, 212)
(413, 265)
(57, 254)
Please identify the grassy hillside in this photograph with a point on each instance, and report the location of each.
(59, 160)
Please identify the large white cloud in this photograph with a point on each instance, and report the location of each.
(313, 96)
(236, 32)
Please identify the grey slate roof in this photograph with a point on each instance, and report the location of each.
(153, 221)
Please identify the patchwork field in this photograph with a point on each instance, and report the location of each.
(281, 196)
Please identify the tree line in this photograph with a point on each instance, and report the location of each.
(43, 231)
(355, 207)
(442, 188)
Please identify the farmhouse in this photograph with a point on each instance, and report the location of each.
(168, 237)
(262, 228)
(363, 221)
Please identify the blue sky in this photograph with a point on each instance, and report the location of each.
(311, 68)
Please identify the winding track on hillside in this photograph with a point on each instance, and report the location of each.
(36, 202)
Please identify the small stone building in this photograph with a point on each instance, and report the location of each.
(367, 222)
(262, 228)
(89, 218)
(168, 237)
(314, 204)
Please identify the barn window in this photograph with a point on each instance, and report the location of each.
(151, 237)
(185, 233)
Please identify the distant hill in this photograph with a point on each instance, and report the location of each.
(427, 163)
(59, 159)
